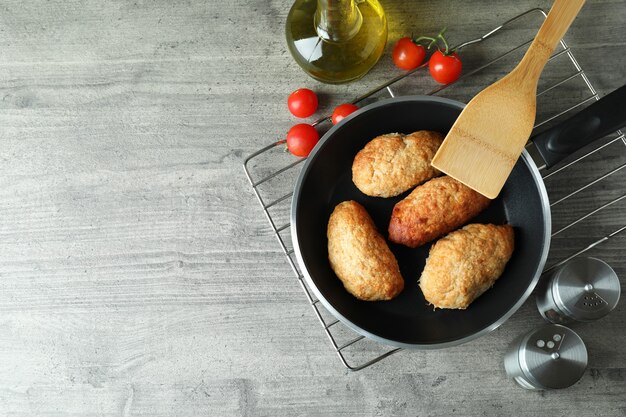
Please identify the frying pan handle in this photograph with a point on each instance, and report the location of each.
(594, 122)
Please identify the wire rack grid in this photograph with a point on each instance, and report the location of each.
(357, 352)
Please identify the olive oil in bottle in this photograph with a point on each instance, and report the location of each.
(336, 41)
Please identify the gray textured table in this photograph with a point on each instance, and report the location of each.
(138, 275)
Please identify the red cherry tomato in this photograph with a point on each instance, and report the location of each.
(301, 138)
(445, 69)
(342, 111)
(407, 55)
(302, 102)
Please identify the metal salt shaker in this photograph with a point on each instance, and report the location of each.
(584, 289)
(550, 357)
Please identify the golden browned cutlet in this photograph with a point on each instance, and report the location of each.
(360, 256)
(466, 263)
(433, 209)
(394, 163)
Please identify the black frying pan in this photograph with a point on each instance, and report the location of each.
(407, 320)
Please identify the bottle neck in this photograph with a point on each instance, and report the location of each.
(337, 20)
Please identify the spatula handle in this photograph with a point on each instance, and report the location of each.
(560, 17)
(594, 122)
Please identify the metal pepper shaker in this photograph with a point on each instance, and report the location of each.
(584, 289)
(550, 357)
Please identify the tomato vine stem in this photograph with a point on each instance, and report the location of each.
(435, 41)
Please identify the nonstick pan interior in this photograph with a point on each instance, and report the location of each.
(407, 321)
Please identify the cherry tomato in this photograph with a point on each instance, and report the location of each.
(342, 111)
(302, 102)
(445, 68)
(407, 55)
(301, 138)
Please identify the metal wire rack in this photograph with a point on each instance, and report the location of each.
(576, 197)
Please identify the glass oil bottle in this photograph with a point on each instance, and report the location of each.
(336, 41)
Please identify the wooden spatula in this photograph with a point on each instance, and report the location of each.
(489, 135)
